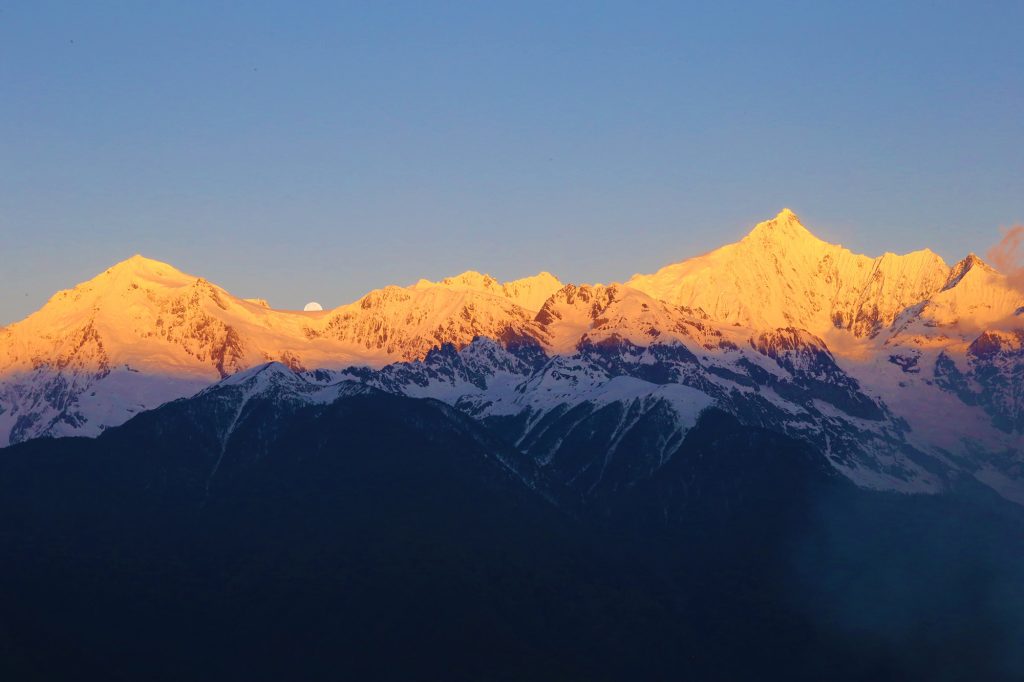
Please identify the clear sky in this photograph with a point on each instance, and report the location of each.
(316, 150)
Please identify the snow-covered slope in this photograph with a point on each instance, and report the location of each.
(781, 275)
(902, 371)
(528, 292)
(622, 398)
(143, 332)
(974, 298)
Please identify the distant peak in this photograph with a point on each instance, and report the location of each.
(542, 277)
(139, 263)
(970, 263)
(138, 268)
(470, 279)
(786, 217)
(139, 259)
(259, 377)
(785, 226)
(130, 273)
(972, 260)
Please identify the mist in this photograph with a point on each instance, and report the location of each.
(1007, 256)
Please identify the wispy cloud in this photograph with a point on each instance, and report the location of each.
(1008, 255)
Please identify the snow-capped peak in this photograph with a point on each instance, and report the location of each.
(143, 332)
(470, 279)
(528, 292)
(269, 373)
(784, 229)
(140, 267)
(960, 270)
(781, 275)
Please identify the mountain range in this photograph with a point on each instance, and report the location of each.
(778, 460)
(905, 372)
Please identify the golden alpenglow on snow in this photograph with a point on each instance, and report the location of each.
(473, 341)
(925, 349)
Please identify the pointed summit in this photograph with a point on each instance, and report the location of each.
(137, 270)
(471, 279)
(138, 261)
(140, 266)
(960, 270)
(532, 292)
(782, 275)
(783, 228)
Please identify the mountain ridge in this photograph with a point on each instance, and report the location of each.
(839, 332)
(780, 275)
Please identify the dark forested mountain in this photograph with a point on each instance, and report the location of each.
(279, 527)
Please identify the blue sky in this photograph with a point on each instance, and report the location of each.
(316, 150)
